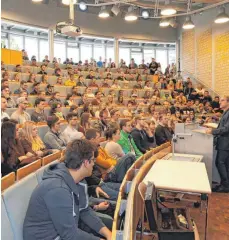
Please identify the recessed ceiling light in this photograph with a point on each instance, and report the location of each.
(145, 14)
(164, 22)
(104, 13)
(222, 17)
(83, 6)
(67, 2)
(169, 9)
(37, 0)
(131, 15)
(188, 24)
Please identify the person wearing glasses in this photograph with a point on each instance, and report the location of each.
(114, 120)
(61, 200)
(20, 115)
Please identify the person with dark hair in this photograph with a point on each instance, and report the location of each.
(87, 108)
(18, 68)
(57, 72)
(143, 138)
(36, 88)
(49, 90)
(162, 133)
(69, 215)
(74, 109)
(71, 81)
(153, 66)
(43, 68)
(91, 75)
(44, 79)
(23, 87)
(69, 100)
(126, 141)
(38, 115)
(52, 138)
(6, 93)
(101, 123)
(97, 100)
(114, 120)
(3, 108)
(71, 133)
(14, 155)
(55, 98)
(84, 122)
(57, 111)
(4, 83)
(75, 92)
(80, 82)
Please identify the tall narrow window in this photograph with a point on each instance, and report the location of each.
(31, 46)
(60, 50)
(16, 42)
(86, 52)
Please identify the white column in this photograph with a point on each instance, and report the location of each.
(51, 44)
(116, 51)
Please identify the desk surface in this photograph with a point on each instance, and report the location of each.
(179, 176)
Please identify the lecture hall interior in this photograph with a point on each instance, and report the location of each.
(115, 119)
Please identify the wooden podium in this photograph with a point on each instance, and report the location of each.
(192, 139)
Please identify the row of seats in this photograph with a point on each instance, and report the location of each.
(15, 199)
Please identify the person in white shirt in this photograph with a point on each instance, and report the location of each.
(3, 108)
(71, 133)
(20, 114)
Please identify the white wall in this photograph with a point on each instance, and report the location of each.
(42, 15)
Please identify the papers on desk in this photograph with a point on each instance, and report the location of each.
(211, 125)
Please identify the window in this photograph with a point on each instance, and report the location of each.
(148, 55)
(172, 56)
(16, 42)
(73, 53)
(86, 53)
(31, 47)
(137, 56)
(124, 53)
(99, 51)
(161, 57)
(4, 42)
(110, 54)
(60, 50)
(44, 49)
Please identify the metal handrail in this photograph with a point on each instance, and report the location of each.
(197, 80)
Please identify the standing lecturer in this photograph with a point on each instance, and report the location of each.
(222, 146)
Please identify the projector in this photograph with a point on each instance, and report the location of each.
(68, 29)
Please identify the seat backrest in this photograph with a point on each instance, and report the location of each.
(39, 172)
(50, 158)
(16, 199)
(7, 181)
(7, 231)
(28, 169)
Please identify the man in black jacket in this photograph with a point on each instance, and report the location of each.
(143, 139)
(222, 146)
(162, 132)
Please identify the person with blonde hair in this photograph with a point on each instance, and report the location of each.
(31, 141)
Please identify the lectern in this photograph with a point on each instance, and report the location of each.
(192, 139)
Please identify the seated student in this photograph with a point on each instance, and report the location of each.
(16, 78)
(162, 133)
(126, 141)
(74, 109)
(4, 83)
(38, 115)
(89, 92)
(14, 155)
(71, 133)
(44, 79)
(49, 90)
(32, 78)
(138, 85)
(57, 111)
(142, 138)
(115, 85)
(80, 82)
(20, 115)
(23, 87)
(6, 93)
(52, 138)
(93, 83)
(55, 98)
(91, 75)
(118, 168)
(43, 68)
(75, 92)
(58, 72)
(59, 81)
(101, 124)
(97, 101)
(151, 127)
(31, 141)
(115, 115)
(3, 109)
(128, 112)
(36, 88)
(84, 122)
(18, 68)
(69, 100)
(71, 81)
(33, 62)
(66, 216)
(105, 83)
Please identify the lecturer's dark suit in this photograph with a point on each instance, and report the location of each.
(222, 145)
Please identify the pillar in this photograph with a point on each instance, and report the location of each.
(116, 52)
(51, 44)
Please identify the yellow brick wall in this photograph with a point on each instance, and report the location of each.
(188, 51)
(204, 57)
(222, 63)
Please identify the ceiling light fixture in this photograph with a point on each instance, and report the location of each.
(188, 24)
(115, 9)
(131, 15)
(145, 14)
(83, 6)
(169, 9)
(37, 1)
(67, 2)
(173, 22)
(222, 16)
(104, 13)
(164, 22)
